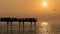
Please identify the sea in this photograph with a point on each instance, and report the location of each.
(41, 28)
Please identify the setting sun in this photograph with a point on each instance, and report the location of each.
(44, 4)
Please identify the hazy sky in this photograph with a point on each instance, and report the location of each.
(31, 8)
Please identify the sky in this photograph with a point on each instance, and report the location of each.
(31, 8)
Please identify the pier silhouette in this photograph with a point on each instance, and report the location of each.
(23, 20)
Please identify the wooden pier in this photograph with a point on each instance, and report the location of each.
(11, 20)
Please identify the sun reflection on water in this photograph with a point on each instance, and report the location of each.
(45, 28)
(44, 24)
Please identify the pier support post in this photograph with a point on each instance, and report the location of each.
(23, 27)
(35, 26)
(11, 28)
(31, 27)
(7, 27)
(19, 27)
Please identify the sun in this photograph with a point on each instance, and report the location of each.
(44, 4)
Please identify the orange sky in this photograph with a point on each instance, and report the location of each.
(31, 8)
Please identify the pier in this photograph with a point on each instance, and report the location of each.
(20, 20)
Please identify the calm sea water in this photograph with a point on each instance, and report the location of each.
(40, 29)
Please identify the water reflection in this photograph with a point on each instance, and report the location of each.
(45, 28)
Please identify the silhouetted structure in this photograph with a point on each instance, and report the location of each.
(19, 20)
